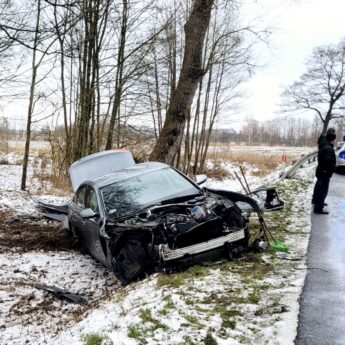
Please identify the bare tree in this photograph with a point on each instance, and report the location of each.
(31, 106)
(5, 41)
(119, 73)
(95, 20)
(225, 56)
(131, 63)
(179, 109)
(321, 88)
(9, 55)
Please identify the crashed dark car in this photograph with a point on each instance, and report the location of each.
(138, 218)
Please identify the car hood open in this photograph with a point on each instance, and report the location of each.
(99, 164)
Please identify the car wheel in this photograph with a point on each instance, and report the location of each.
(131, 261)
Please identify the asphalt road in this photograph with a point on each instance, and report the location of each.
(322, 304)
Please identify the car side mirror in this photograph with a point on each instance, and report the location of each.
(267, 198)
(88, 213)
(200, 179)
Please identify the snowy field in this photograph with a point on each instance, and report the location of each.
(261, 149)
(251, 300)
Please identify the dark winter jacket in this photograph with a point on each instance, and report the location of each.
(321, 141)
(326, 160)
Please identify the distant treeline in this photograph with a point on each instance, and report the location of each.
(287, 131)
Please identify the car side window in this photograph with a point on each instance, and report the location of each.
(80, 197)
(91, 200)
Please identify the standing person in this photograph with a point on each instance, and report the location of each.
(322, 138)
(320, 143)
(324, 171)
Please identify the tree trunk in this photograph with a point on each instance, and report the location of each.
(180, 105)
(31, 101)
(61, 39)
(118, 80)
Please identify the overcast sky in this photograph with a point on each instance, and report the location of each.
(299, 27)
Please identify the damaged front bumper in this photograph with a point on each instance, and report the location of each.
(166, 254)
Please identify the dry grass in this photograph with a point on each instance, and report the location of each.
(265, 162)
(4, 161)
(41, 160)
(216, 171)
(62, 184)
(40, 165)
(48, 162)
(4, 147)
(18, 149)
(28, 233)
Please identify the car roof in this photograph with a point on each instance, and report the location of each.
(123, 174)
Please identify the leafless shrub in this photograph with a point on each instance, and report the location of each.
(59, 170)
(4, 161)
(4, 136)
(18, 162)
(216, 171)
(41, 165)
(138, 141)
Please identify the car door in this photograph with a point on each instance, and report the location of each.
(91, 226)
(76, 206)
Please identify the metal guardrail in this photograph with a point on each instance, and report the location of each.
(309, 158)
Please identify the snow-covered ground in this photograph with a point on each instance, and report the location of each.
(293, 150)
(253, 300)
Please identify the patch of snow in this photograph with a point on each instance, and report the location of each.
(32, 316)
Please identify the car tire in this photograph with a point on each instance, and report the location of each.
(131, 261)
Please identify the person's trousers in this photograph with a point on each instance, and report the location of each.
(320, 192)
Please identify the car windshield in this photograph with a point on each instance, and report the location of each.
(132, 194)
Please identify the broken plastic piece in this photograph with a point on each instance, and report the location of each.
(280, 246)
(62, 218)
(64, 294)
